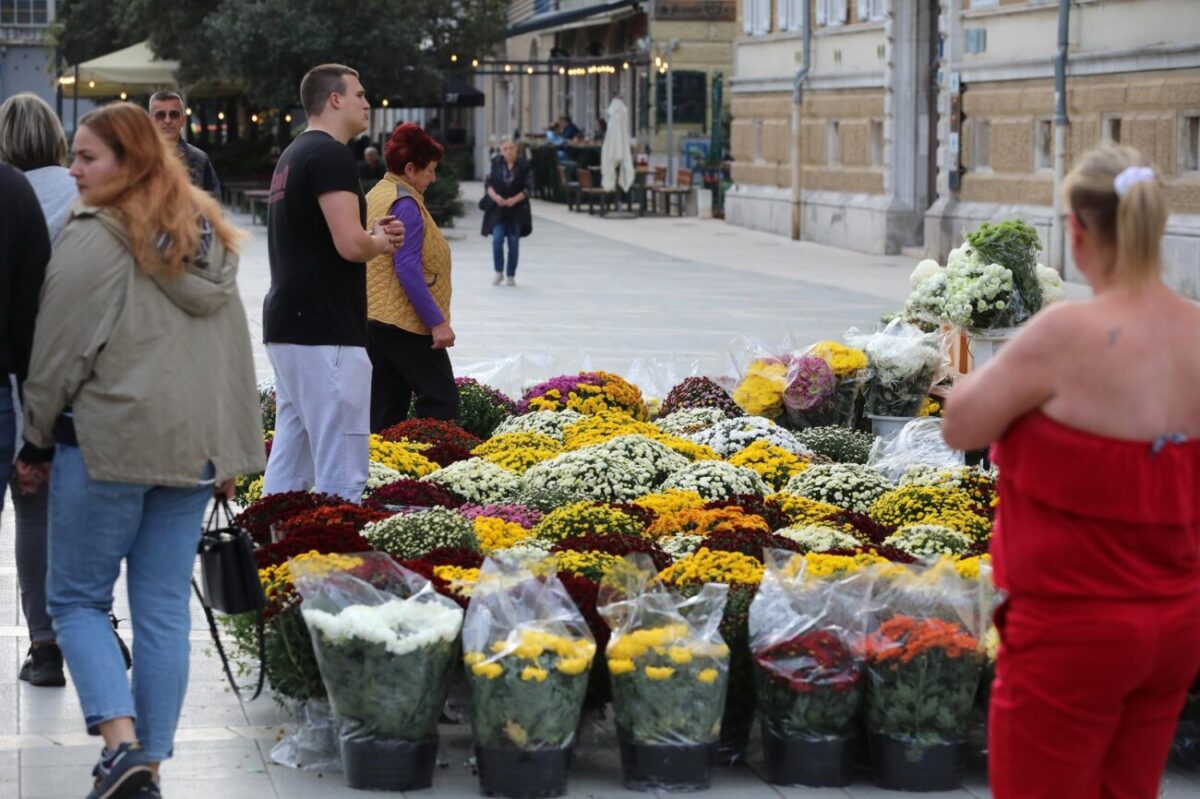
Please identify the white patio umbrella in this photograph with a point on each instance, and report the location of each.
(615, 154)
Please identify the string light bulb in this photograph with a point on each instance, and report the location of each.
(287, 118)
(454, 58)
(124, 96)
(475, 62)
(91, 84)
(508, 67)
(221, 115)
(385, 102)
(187, 111)
(254, 118)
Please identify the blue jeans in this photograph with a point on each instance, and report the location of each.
(506, 230)
(94, 525)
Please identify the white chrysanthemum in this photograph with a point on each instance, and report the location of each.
(924, 270)
(477, 480)
(820, 538)
(593, 473)
(689, 420)
(379, 475)
(929, 540)
(716, 480)
(850, 486)
(1051, 282)
(680, 546)
(401, 625)
(730, 436)
(550, 423)
(658, 458)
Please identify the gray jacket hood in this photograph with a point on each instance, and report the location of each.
(209, 279)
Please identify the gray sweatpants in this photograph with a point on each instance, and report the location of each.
(31, 559)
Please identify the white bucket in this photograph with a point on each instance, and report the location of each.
(985, 344)
(888, 426)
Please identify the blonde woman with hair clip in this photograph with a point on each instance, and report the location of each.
(1095, 413)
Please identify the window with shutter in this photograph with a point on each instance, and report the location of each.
(748, 15)
(822, 15)
(783, 21)
(839, 12)
(762, 17)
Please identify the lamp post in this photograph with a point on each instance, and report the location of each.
(665, 51)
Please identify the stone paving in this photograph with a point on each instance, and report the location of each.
(591, 292)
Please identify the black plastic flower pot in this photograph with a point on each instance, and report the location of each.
(825, 763)
(667, 768)
(380, 764)
(518, 774)
(902, 764)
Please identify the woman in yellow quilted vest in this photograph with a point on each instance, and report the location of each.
(408, 292)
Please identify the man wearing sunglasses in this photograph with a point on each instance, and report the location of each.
(166, 109)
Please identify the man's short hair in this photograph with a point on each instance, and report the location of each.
(370, 151)
(164, 95)
(319, 83)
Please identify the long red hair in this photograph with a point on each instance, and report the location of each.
(152, 193)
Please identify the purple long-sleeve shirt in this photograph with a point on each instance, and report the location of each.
(407, 262)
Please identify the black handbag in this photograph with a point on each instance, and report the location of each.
(231, 585)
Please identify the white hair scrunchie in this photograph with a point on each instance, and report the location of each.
(1131, 175)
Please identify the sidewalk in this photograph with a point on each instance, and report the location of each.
(610, 290)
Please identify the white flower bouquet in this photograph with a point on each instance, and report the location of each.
(716, 480)
(680, 546)
(379, 475)
(592, 473)
(477, 480)
(978, 295)
(549, 423)
(384, 642)
(729, 436)
(850, 486)
(905, 364)
(411, 535)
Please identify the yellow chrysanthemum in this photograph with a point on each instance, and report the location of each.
(619, 666)
(572, 666)
(658, 673)
(671, 501)
(706, 566)
(708, 676)
(488, 670)
(775, 464)
(534, 673)
(494, 533)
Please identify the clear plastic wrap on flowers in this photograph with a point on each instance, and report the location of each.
(923, 653)
(528, 653)
(919, 443)
(806, 640)
(668, 662)
(905, 363)
(384, 640)
(811, 388)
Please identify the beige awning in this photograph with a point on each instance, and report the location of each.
(134, 69)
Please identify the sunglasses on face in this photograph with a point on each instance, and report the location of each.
(161, 115)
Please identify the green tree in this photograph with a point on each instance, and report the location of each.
(268, 45)
(85, 29)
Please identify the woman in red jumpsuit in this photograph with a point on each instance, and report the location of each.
(1095, 413)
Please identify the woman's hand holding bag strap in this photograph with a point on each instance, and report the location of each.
(229, 573)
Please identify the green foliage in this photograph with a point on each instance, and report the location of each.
(839, 444)
(442, 198)
(394, 696)
(679, 710)
(86, 29)
(927, 699)
(509, 712)
(291, 662)
(1012, 244)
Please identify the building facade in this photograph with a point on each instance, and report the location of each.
(26, 56)
(919, 119)
(693, 37)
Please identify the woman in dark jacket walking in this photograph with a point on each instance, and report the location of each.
(508, 217)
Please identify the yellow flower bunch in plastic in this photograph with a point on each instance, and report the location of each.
(462, 581)
(494, 533)
(522, 440)
(699, 521)
(843, 360)
(671, 500)
(802, 510)
(930, 407)
(968, 568)
(539, 650)
(707, 566)
(276, 579)
(775, 464)
(761, 391)
(819, 565)
(405, 457)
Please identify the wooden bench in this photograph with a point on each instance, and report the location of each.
(591, 192)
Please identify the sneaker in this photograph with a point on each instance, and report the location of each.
(510, 282)
(149, 791)
(496, 280)
(44, 667)
(123, 773)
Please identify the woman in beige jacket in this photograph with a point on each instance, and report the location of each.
(141, 388)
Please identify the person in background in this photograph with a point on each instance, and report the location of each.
(408, 293)
(371, 169)
(1097, 539)
(509, 218)
(140, 403)
(315, 313)
(166, 109)
(32, 140)
(434, 129)
(601, 129)
(570, 131)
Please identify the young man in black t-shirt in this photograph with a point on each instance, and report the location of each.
(315, 314)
